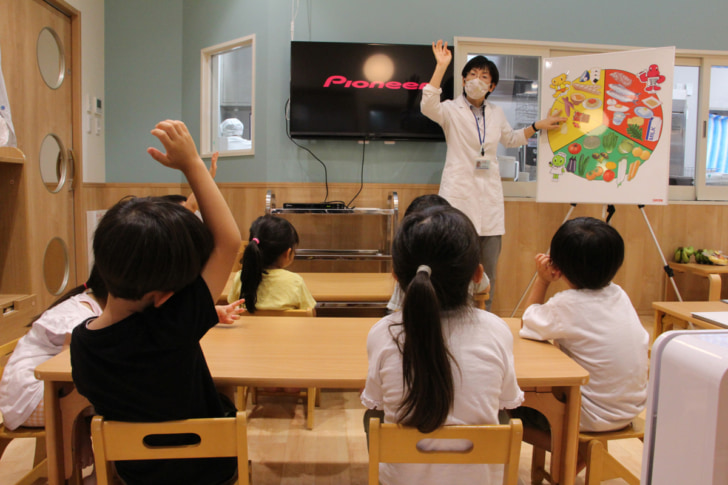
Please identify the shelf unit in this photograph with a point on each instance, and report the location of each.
(380, 253)
(17, 303)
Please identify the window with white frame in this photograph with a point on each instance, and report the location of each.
(699, 137)
(227, 94)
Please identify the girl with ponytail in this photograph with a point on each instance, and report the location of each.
(263, 282)
(21, 394)
(439, 361)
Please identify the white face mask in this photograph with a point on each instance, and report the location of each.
(476, 88)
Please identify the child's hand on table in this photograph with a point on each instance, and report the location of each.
(229, 313)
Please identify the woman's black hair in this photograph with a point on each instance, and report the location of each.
(588, 252)
(144, 244)
(443, 239)
(93, 283)
(270, 237)
(482, 62)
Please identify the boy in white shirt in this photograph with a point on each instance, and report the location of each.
(593, 322)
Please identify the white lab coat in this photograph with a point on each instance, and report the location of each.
(478, 193)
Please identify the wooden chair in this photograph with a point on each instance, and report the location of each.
(40, 466)
(479, 299)
(219, 437)
(393, 443)
(600, 465)
(312, 395)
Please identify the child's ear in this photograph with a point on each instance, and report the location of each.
(478, 275)
(159, 297)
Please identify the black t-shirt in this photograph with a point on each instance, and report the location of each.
(150, 367)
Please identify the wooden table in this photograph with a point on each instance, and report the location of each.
(331, 353)
(672, 315)
(340, 287)
(711, 272)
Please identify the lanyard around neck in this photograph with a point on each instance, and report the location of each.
(481, 138)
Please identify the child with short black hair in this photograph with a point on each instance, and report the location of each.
(418, 204)
(440, 361)
(593, 321)
(141, 359)
(263, 281)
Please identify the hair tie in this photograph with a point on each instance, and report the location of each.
(256, 240)
(425, 268)
(85, 286)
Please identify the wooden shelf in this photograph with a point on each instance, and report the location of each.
(11, 155)
(17, 310)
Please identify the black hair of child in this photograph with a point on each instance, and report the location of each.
(588, 252)
(176, 198)
(145, 244)
(422, 202)
(444, 239)
(270, 237)
(482, 62)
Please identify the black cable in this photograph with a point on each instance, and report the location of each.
(288, 133)
(361, 177)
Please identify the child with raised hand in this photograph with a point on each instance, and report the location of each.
(593, 322)
(141, 359)
(263, 281)
(440, 361)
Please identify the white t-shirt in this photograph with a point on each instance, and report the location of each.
(601, 331)
(484, 382)
(20, 391)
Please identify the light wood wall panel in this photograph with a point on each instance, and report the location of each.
(529, 227)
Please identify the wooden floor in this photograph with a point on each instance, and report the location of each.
(284, 452)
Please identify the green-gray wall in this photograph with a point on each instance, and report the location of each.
(152, 69)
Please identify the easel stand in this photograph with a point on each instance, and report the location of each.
(610, 211)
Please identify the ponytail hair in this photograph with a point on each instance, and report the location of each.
(435, 255)
(270, 237)
(94, 283)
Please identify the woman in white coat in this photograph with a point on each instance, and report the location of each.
(473, 128)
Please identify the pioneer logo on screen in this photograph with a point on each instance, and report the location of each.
(348, 83)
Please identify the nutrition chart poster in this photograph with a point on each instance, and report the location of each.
(614, 147)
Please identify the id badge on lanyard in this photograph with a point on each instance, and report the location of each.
(481, 162)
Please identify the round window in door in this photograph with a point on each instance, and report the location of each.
(51, 62)
(53, 163)
(56, 268)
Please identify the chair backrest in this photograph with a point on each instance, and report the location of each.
(219, 437)
(493, 444)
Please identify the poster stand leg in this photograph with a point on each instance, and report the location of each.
(533, 278)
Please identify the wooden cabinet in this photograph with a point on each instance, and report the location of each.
(17, 302)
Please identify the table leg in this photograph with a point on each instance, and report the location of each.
(571, 435)
(714, 287)
(657, 331)
(54, 435)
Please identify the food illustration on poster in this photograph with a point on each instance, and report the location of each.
(617, 108)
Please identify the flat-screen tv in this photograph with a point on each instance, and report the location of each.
(362, 91)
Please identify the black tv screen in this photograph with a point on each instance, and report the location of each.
(364, 91)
